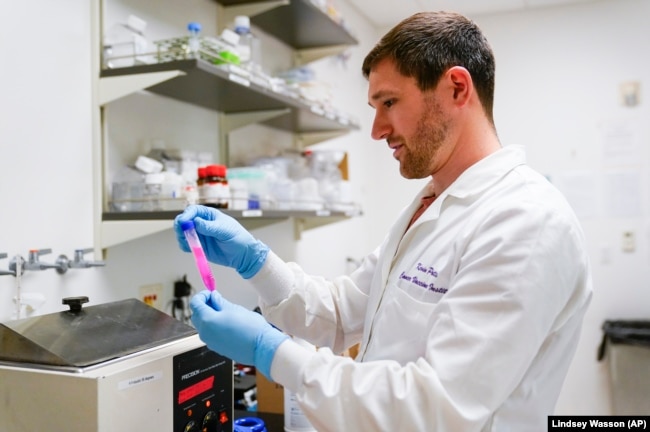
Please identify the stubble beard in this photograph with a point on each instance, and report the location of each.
(429, 137)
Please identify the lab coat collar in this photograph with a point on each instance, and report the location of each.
(475, 179)
(484, 173)
(480, 176)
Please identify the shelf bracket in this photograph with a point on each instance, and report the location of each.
(307, 139)
(308, 55)
(227, 14)
(233, 121)
(301, 224)
(118, 232)
(298, 228)
(115, 87)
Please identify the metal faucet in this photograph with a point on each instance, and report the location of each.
(61, 265)
(80, 262)
(34, 263)
(6, 272)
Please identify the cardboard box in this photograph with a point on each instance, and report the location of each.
(270, 396)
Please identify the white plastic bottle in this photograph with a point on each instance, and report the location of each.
(294, 418)
(194, 41)
(250, 54)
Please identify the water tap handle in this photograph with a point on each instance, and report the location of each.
(34, 262)
(79, 261)
(34, 254)
(6, 272)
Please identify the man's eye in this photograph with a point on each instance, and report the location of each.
(389, 103)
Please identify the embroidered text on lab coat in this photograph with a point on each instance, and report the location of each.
(428, 271)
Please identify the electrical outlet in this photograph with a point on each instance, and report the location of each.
(628, 242)
(152, 295)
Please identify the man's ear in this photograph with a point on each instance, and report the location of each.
(461, 82)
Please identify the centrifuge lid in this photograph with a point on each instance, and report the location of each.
(89, 335)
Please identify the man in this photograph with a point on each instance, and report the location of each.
(469, 312)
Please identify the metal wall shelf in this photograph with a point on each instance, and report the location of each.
(120, 227)
(310, 32)
(201, 83)
(300, 24)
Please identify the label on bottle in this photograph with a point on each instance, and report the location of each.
(215, 193)
(294, 418)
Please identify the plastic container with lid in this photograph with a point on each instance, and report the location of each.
(171, 192)
(127, 190)
(250, 53)
(194, 41)
(153, 191)
(238, 194)
(256, 186)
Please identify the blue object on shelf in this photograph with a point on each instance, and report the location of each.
(249, 424)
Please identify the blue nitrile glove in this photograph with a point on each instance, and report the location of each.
(234, 331)
(224, 240)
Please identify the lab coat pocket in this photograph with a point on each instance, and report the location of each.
(403, 329)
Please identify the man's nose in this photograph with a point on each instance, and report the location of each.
(380, 128)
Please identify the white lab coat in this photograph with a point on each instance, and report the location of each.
(468, 321)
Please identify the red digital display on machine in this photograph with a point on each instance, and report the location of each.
(195, 389)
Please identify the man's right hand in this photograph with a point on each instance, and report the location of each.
(224, 240)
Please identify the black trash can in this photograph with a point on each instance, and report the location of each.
(627, 347)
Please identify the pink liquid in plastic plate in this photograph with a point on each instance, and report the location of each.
(204, 268)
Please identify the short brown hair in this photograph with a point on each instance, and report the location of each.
(427, 44)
